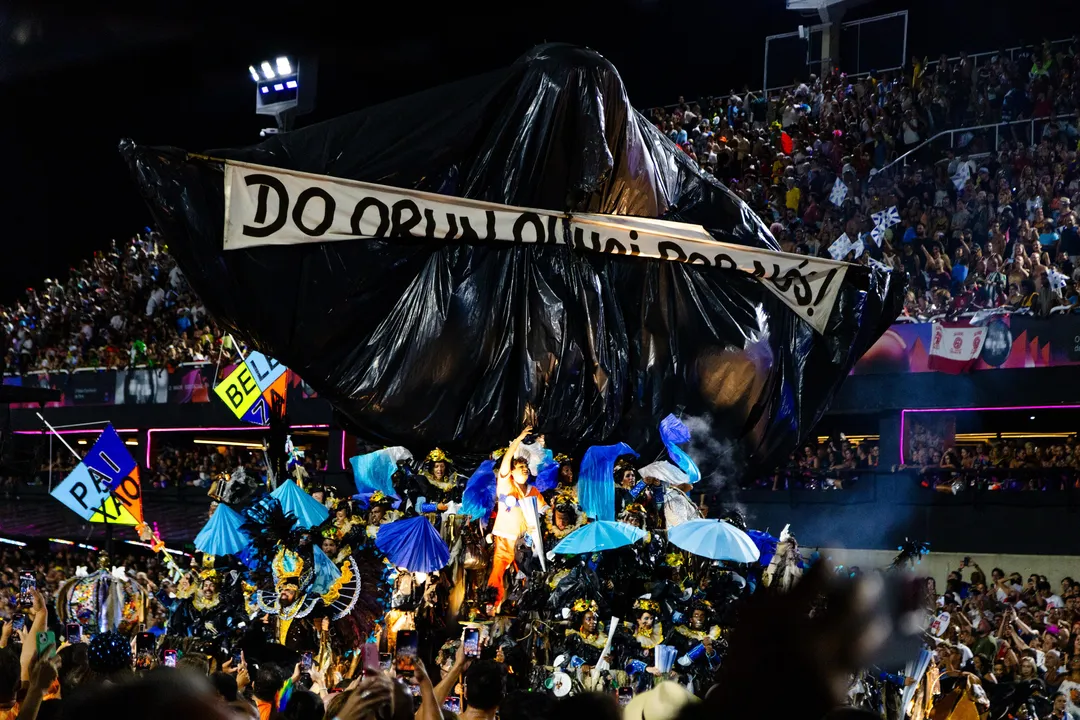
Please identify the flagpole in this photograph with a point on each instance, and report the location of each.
(59, 437)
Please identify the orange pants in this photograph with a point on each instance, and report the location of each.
(504, 558)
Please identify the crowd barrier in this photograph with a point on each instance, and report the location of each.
(188, 383)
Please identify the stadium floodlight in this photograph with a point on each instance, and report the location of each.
(284, 88)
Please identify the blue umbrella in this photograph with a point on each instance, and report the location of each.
(714, 539)
(597, 536)
(414, 544)
(309, 512)
(221, 535)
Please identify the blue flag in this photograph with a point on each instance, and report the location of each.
(108, 460)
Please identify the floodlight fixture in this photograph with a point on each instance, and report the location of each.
(284, 88)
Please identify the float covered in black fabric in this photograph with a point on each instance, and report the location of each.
(424, 343)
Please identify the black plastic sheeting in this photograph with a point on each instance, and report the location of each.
(426, 343)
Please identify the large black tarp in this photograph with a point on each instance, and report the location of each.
(451, 344)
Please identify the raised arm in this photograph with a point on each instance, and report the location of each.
(508, 458)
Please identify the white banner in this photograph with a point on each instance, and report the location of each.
(270, 206)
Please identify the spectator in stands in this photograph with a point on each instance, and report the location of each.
(959, 218)
(126, 306)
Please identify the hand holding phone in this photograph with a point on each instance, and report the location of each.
(27, 584)
(405, 658)
(46, 644)
(370, 658)
(470, 641)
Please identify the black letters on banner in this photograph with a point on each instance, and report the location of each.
(130, 489)
(403, 225)
(528, 218)
(667, 246)
(246, 382)
(109, 461)
(235, 396)
(358, 215)
(101, 480)
(329, 206)
(78, 491)
(468, 234)
(265, 183)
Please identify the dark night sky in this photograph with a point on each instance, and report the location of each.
(177, 76)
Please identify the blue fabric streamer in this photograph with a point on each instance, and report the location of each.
(547, 475)
(478, 499)
(372, 472)
(326, 573)
(673, 431)
(596, 481)
(766, 543)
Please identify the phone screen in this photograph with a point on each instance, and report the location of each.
(73, 633)
(170, 658)
(27, 583)
(471, 642)
(371, 657)
(386, 661)
(407, 643)
(625, 695)
(45, 641)
(18, 622)
(452, 704)
(145, 642)
(305, 662)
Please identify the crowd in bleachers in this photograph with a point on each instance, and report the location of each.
(1000, 464)
(988, 222)
(830, 465)
(175, 465)
(128, 305)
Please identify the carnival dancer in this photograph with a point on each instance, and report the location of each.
(697, 642)
(198, 609)
(585, 640)
(565, 516)
(444, 482)
(640, 639)
(512, 486)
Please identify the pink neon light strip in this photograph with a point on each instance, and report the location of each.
(75, 431)
(245, 428)
(903, 415)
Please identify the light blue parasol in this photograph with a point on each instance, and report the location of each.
(714, 539)
(309, 512)
(414, 544)
(221, 535)
(597, 536)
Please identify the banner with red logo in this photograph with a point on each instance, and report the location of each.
(955, 349)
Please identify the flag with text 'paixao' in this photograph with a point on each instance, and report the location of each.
(254, 388)
(104, 487)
